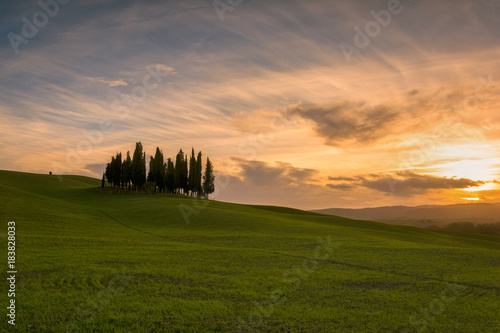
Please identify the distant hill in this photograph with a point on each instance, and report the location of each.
(422, 216)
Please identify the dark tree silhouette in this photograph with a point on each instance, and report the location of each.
(179, 161)
(117, 169)
(127, 171)
(208, 179)
(157, 169)
(109, 170)
(181, 177)
(197, 180)
(138, 167)
(192, 173)
(184, 175)
(160, 169)
(170, 176)
(151, 169)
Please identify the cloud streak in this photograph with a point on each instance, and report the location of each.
(349, 122)
(402, 183)
(111, 83)
(260, 173)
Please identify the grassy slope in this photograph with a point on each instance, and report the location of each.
(96, 261)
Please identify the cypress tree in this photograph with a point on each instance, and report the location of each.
(170, 176)
(142, 173)
(117, 170)
(179, 161)
(127, 171)
(151, 173)
(159, 169)
(199, 189)
(192, 173)
(112, 169)
(164, 180)
(184, 178)
(109, 170)
(138, 167)
(209, 178)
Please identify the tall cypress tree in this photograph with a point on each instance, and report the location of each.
(199, 189)
(159, 169)
(208, 179)
(184, 177)
(170, 176)
(112, 169)
(127, 171)
(192, 172)
(179, 161)
(117, 170)
(109, 170)
(143, 169)
(138, 167)
(164, 182)
(151, 173)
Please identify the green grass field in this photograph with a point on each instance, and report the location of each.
(93, 261)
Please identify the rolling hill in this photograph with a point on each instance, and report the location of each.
(96, 260)
(422, 216)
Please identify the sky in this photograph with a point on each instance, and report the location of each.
(306, 104)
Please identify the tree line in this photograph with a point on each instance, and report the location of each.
(184, 176)
(475, 228)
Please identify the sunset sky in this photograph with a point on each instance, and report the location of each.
(408, 115)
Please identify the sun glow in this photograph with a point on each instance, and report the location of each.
(474, 169)
(477, 162)
(485, 187)
(473, 160)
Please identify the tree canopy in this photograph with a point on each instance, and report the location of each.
(184, 176)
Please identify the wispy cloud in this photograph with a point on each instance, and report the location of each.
(111, 83)
(350, 123)
(260, 173)
(402, 183)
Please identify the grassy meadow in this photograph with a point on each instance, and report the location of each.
(95, 260)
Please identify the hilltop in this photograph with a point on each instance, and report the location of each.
(90, 259)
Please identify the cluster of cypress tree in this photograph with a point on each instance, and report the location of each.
(167, 177)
